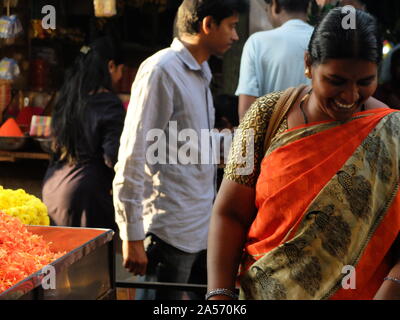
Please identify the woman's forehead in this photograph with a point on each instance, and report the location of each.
(348, 68)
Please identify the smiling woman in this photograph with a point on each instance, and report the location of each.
(343, 66)
(323, 194)
(341, 87)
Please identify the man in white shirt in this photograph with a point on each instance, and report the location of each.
(155, 194)
(273, 60)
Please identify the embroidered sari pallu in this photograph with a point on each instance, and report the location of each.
(328, 207)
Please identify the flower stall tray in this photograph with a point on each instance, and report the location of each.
(13, 143)
(85, 272)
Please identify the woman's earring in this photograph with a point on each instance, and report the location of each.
(307, 73)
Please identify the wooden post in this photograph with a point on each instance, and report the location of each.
(8, 8)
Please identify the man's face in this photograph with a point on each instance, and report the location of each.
(222, 36)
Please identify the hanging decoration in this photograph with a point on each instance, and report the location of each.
(161, 5)
(105, 8)
(10, 4)
(10, 26)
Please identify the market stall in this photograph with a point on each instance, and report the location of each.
(80, 261)
(34, 57)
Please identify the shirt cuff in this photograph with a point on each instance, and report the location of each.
(131, 231)
(247, 92)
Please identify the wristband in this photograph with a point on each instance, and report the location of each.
(221, 291)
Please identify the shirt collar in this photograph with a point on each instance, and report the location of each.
(292, 22)
(187, 58)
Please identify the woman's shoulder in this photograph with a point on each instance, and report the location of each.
(104, 101)
(374, 103)
(252, 128)
(106, 106)
(260, 111)
(105, 96)
(267, 102)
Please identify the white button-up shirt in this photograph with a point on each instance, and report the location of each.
(172, 200)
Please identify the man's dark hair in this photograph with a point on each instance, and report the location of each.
(192, 12)
(331, 41)
(293, 6)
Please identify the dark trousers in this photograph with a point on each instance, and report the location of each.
(169, 264)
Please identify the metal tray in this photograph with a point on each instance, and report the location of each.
(85, 272)
(44, 143)
(13, 143)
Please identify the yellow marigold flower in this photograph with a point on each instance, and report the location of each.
(26, 207)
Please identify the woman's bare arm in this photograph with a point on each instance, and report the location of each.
(233, 212)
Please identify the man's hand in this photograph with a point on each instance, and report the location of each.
(135, 258)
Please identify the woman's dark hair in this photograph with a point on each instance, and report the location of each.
(192, 12)
(88, 74)
(334, 39)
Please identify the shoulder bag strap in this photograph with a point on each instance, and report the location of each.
(287, 99)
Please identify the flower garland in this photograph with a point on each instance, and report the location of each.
(27, 208)
(22, 253)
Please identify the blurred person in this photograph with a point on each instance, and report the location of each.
(273, 60)
(389, 79)
(87, 123)
(163, 209)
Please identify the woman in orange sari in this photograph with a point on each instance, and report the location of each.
(319, 214)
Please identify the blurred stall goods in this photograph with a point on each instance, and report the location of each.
(25, 117)
(38, 32)
(10, 27)
(161, 4)
(10, 144)
(40, 126)
(16, 104)
(9, 69)
(5, 97)
(39, 73)
(45, 144)
(72, 34)
(10, 128)
(10, 3)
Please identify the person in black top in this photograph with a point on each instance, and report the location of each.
(87, 122)
(388, 90)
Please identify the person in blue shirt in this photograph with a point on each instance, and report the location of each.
(273, 60)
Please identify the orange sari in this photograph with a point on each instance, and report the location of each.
(327, 197)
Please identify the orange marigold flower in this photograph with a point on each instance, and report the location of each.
(21, 252)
